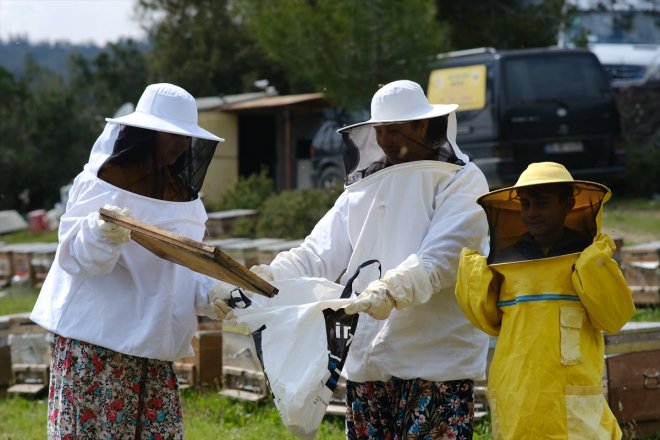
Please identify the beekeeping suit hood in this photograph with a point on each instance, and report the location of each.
(503, 206)
(396, 102)
(166, 108)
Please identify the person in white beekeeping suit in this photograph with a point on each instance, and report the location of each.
(120, 314)
(547, 289)
(410, 203)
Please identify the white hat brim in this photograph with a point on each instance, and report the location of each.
(144, 120)
(436, 111)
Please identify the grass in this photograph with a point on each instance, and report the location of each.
(206, 416)
(17, 300)
(647, 314)
(29, 237)
(22, 418)
(635, 220)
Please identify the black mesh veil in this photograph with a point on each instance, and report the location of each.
(506, 226)
(193, 169)
(363, 156)
(134, 149)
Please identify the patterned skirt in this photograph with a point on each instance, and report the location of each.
(409, 410)
(98, 393)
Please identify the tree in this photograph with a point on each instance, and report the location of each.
(118, 74)
(201, 46)
(36, 138)
(502, 24)
(346, 48)
(48, 124)
(12, 110)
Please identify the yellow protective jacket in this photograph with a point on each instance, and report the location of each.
(545, 378)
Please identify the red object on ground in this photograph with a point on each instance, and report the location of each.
(37, 221)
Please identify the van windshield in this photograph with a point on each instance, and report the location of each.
(615, 27)
(553, 79)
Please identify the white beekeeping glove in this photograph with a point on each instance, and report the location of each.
(263, 271)
(405, 285)
(219, 298)
(376, 300)
(111, 232)
(225, 297)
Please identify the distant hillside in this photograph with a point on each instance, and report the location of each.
(54, 56)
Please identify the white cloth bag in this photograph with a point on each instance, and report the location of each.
(303, 339)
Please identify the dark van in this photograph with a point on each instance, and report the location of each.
(531, 105)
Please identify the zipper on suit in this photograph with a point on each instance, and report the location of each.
(381, 230)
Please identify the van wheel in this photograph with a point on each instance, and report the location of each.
(331, 177)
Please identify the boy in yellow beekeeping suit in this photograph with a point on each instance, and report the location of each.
(547, 290)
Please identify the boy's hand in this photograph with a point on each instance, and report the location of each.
(604, 243)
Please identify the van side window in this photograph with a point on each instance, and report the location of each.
(538, 79)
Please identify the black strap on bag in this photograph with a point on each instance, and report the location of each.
(348, 290)
(340, 328)
(237, 299)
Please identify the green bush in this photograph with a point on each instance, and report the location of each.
(643, 169)
(293, 214)
(289, 214)
(248, 193)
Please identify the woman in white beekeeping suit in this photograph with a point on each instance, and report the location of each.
(548, 289)
(120, 314)
(409, 202)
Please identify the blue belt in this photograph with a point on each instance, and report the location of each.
(540, 297)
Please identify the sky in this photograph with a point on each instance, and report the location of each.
(75, 21)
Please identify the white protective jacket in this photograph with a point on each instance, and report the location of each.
(414, 218)
(123, 297)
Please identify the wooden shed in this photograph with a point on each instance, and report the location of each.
(261, 130)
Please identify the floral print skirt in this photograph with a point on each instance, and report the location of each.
(97, 393)
(409, 410)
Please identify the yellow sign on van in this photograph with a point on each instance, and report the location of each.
(465, 86)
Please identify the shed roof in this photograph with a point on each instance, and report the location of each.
(247, 101)
(274, 101)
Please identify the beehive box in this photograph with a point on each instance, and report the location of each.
(641, 252)
(5, 353)
(242, 373)
(632, 377)
(41, 259)
(6, 269)
(221, 243)
(19, 255)
(30, 349)
(245, 252)
(30, 344)
(220, 223)
(640, 265)
(29, 262)
(267, 253)
(204, 368)
(642, 273)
